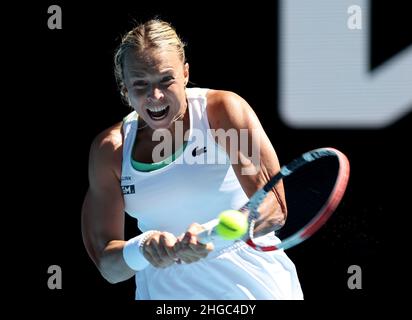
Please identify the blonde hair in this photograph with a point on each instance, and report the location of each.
(153, 34)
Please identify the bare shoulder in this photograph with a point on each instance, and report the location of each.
(226, 109)
(109, 139)
(106, 149)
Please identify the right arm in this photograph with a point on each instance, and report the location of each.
(103, 218)
(103, 208)
(103, 214)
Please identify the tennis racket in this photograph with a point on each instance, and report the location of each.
(314, 185)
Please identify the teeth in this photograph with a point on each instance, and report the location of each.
(157, 109)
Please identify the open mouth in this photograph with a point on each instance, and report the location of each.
(158, 113)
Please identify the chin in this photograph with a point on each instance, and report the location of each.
(162, 124)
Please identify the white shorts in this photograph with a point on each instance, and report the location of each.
(237, 272)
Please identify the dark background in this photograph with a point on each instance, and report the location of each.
(231, 47)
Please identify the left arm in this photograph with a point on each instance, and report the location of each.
(253, 157)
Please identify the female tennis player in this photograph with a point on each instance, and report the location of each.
(167, 165)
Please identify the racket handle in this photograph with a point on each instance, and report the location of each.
(209, 233)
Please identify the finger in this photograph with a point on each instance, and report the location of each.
(202, 247)
(162, 254)
(183, 245)
(185, 253)
(193, 242)
(167, 249)
(180, 238)
(158, 250)
(195, 228)
(151, 255)
(199, 250)
(189, 258)
(186, 239)
(158, 253)
(189, 254)
(171, 242)
(189, 249)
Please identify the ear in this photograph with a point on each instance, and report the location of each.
(125, 95)
(186, 73)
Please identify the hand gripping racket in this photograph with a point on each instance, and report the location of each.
(314, 185)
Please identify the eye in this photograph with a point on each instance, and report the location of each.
(167, 79)
(140, 83)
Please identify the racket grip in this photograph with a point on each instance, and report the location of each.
(209, 233)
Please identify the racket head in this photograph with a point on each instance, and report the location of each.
(314, 185)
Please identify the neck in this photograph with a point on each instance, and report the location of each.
(180, 126)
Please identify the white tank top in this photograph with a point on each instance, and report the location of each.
(195, 187)
(187, 191)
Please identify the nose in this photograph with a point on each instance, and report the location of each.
(155, 93)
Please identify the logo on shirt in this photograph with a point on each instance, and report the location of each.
(198, 151)
(128, 189)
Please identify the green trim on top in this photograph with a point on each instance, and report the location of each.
(147, 167)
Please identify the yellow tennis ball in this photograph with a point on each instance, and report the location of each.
(232, 225)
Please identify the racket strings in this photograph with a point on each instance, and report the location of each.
(314, 185)
(307, 191)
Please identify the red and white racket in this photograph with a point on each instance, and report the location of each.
(314, 185)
